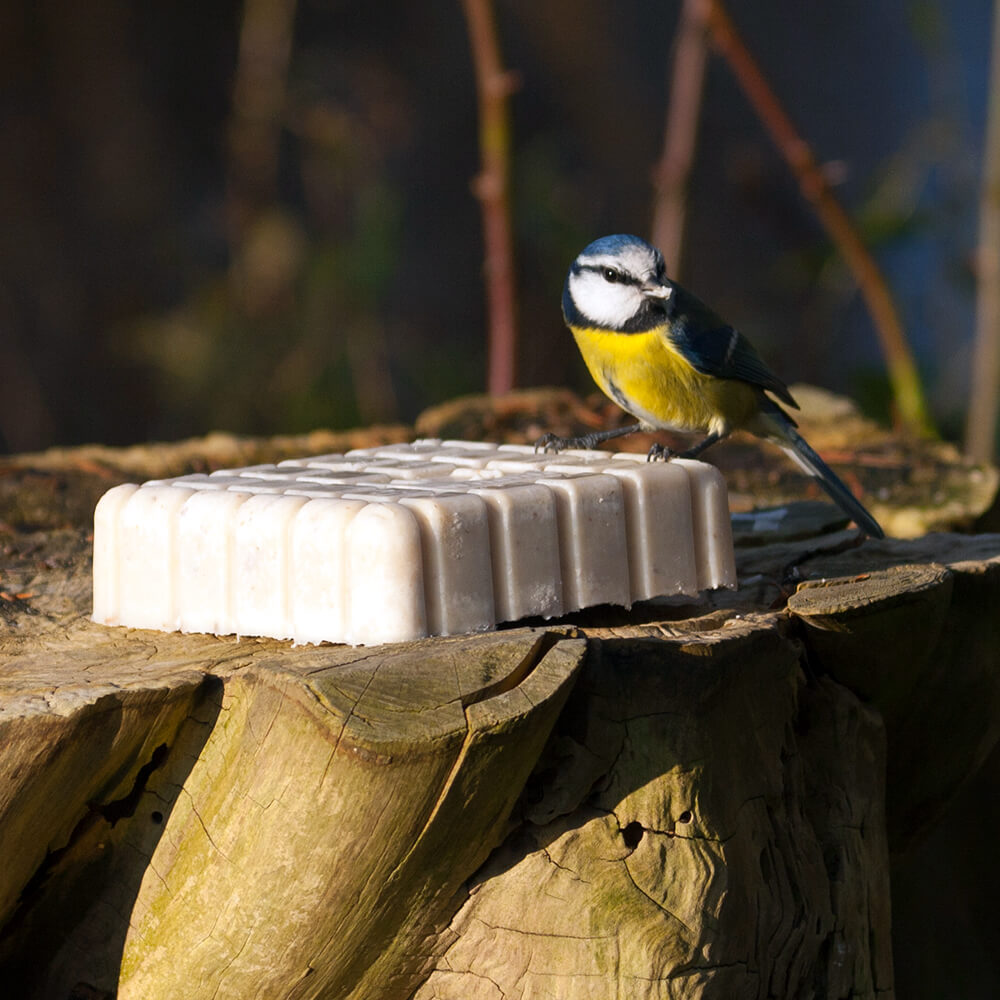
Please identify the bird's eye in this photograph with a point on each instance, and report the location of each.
(610, 275)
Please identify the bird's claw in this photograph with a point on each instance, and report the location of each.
(552, 442)
(659, 453)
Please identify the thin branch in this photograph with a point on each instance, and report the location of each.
(259, 89)
(260, 85)
(680, 133)
(984, 401)
(904, 378)
(492, 187)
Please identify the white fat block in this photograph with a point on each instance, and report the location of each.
(468, 458)
(591, 530)
(514, 463)
(398, 542)
(335, 463)
(194, 481)
(416, 470)
(245, 472)
(529, 461)
(205, 534)
(107, 553)
(259, 486)
(212, 482)
(304, 488)
(320, 588)
(455, 548)
(713, 528)
(281, 473)
(385, 567)
(415, 451)
(147, 556)
(261, 563)
(524, 541)
(659, 528)
(394, 492)
(517, 449)
(341, 478)
(483, 446)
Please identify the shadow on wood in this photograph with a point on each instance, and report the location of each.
(89, 789)
(922, 642)
(709, 824)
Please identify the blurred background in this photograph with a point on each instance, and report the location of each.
(258, 216)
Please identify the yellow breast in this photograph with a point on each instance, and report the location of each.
(645, 375)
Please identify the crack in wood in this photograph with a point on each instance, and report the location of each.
(109, 813)
(516, 676)
(126, 806)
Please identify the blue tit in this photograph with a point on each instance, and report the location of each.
(666, 358)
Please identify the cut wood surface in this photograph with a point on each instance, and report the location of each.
(712, 826)
(684, 800)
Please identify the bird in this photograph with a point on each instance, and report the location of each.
(667, 359)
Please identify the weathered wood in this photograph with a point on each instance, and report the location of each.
(74, 773)
(295, 827)
(721, 836)
(920, 640)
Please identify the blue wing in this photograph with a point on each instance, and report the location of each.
(713, 347)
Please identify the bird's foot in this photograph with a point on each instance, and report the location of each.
(659, 453)
(554, 443)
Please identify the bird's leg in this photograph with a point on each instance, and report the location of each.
(551, 442)
(697, 449)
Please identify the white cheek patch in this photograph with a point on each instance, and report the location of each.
(605, 303)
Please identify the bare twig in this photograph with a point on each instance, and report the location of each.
(492, 188)
(259, 88)
(681, 132)
(911, 407)
(984, 404)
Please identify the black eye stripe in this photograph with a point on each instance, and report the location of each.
(621, 277)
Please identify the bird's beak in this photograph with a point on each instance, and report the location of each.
(655, 290)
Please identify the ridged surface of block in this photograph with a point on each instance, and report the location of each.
(394, 543)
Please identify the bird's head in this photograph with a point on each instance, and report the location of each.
(617, 283)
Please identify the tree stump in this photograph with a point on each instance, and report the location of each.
(694, 801)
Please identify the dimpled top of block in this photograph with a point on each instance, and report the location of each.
(393, 543)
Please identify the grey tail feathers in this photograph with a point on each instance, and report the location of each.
(796, 447)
